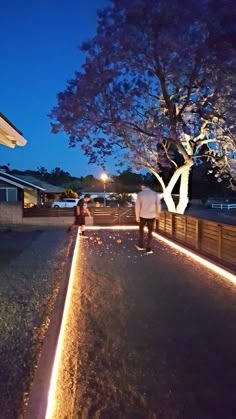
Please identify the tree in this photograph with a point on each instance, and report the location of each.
(59, 177)
(126, 181)
(203, 183)
(157, 84)
(50, 196)
(42, 172)
(5, 168)
(124, 184)
(89, 182)
(68, 193)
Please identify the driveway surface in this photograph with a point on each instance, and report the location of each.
(149, 336)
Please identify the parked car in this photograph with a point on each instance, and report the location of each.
(65, 203)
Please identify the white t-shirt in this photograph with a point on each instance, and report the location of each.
(147, 204)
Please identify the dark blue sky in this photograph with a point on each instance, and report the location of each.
(38, 54)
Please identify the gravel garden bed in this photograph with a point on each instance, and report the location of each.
(29, 281)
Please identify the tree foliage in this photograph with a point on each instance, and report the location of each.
(158, 75)
(158, 83)
(69, 193)
(126, 179)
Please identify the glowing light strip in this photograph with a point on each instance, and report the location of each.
(210, 265)
(112, 227)
(58, 354)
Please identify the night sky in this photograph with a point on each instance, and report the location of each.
(39, 53)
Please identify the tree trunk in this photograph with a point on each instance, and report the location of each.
(184, 172)
(169, 200)
(166, 192)
(183, 191)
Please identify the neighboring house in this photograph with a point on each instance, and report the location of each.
(50, 192)
(10, 136)
(13, 189)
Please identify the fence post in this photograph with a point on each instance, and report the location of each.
(219, 251)
(171, 225)
(185, 227)
(165, 223)
(197, 245)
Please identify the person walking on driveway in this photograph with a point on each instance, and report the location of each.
(147, 209)
(81, 211)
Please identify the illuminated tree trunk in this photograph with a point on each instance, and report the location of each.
(183, 191)
(167, 196)
(182, 172)
(167, 190)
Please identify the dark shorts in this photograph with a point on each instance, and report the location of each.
(80, 220)
(149, 222)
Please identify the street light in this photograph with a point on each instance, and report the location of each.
(104, 178)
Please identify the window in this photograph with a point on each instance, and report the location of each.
(3, 195)
(8, 194)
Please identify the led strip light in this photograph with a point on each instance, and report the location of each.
(57, 359)
(210, 265)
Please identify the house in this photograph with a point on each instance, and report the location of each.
(16, 190)
(10, 136)
(26, 189)
(50, 192)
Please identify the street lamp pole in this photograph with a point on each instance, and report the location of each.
(104, 179)
(104, 193)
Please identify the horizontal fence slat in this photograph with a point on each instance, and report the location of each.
(230, 228)
(229, 258)
(227, 255)
(208, 227)
(229, 249)
(191, 233)
(228, 245)
(210, 251)
(205, 244)
(205, 235)
(191, 227)
(230, 235)
(190, 237)
(228, 239)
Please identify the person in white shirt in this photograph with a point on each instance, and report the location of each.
(147, 209)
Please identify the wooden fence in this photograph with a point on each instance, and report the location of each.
(48, 212)
(101, 216)
(209, 238)
(113, 216)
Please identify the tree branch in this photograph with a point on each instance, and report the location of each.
(189, 88)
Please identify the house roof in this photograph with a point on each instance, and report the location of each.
(16, 181)
(48, 188)
(10, 136)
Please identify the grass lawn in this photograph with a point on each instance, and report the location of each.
(31, 265)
